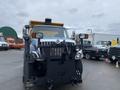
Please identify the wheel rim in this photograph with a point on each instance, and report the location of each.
(87, 56)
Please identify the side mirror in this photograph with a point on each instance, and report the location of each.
(73, 35)
(26, 31)
(27, 26)
(39, 35)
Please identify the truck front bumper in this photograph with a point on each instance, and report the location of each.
(114, 58)
(3, 48)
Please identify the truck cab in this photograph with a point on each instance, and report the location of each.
(50, 57)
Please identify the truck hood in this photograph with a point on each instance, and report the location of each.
(56, 40)
(101, 46)
(34, 41)
(118, 46)
(3, 43)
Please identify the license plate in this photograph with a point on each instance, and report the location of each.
(4, 45)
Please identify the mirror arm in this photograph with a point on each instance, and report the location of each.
(38, 42)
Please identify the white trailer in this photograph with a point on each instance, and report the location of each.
(96, 38)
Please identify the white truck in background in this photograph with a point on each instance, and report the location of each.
(102, 39)
(3, 44)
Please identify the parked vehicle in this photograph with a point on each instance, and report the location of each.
(95, 53)
(50, 57)
(3, 44)
(114, 54)
(99, 51)
(15, 44)
(11, 42)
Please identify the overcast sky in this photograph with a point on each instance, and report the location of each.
(100, 15)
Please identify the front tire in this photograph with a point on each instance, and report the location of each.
(112, 61)
(87, 56)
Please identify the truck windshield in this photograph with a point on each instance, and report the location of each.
(2, 39)
(51, 32)
(87, 42)
(102, 43)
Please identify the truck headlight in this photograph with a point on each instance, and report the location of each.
(36, 56)
(79, 55)
(113, 57)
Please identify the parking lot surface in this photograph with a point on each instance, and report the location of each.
(97, 75)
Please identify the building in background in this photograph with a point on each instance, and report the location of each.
(12, 38)
(8, 32)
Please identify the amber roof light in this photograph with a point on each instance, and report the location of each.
(47, 22)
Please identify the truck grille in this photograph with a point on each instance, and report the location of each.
(54, 43)
(102, 52)
(4, 45)
(56, 51)
(114, 51)
(52, 49)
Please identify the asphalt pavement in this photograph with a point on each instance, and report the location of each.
(97, 75)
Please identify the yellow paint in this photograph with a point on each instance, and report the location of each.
(34, 23)
(114, 42)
